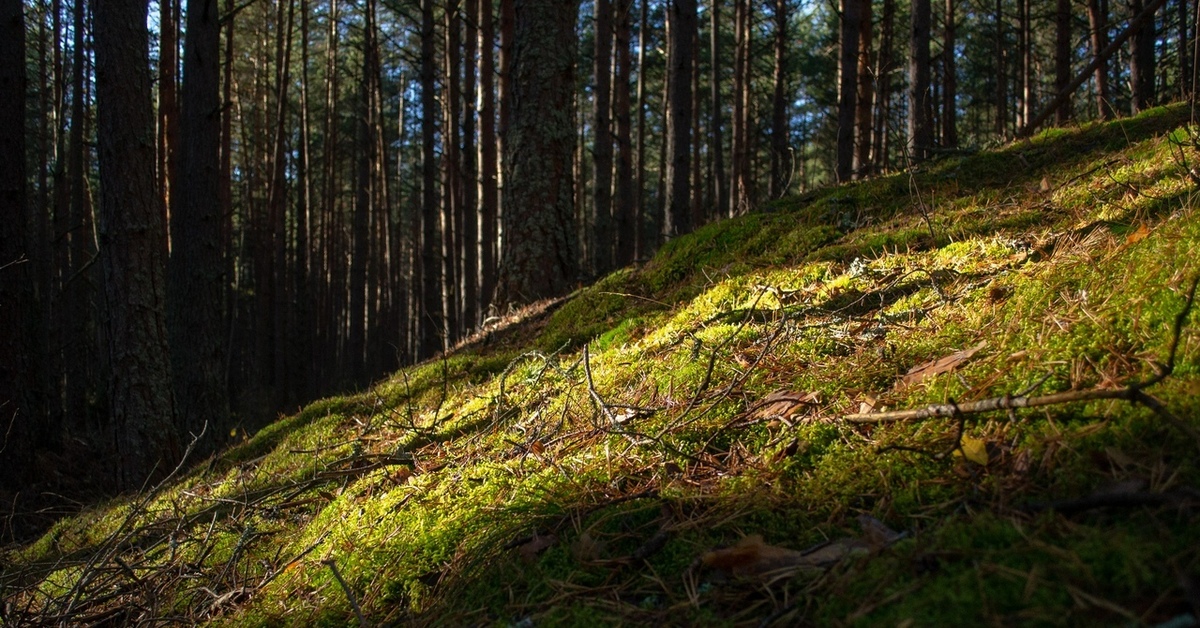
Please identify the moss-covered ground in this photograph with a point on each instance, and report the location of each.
(586, 463)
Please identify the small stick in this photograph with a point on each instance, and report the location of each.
(596, 399)
(362, 621)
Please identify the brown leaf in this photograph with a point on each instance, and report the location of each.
(536, 545)
(752, 557)
(783, 404)
(1139, 235)
(924, 371)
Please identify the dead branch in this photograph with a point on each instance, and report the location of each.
(362, 621)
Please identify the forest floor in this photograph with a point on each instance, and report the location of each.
(706, 439)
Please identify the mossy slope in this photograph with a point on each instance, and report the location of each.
(491, 487)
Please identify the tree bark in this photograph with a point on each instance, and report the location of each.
(950, 81)
(779, 124)
(133, 237)
(488, 166)
(920, 110)
(1062, 57)
(602, 152)
(867, 75)
(1098, 21)
(883, 94)
(639, 198)
(1141, 60)
(1001, 74)
(678, 217)
(431, 299)
(540, 251)
(718, 178)
(17, 293)
(452, 210)
(848, 84)
(470, 200)
(623, 209)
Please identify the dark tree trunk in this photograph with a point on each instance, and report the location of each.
(1185, 49)
(1062, 57)
(883, 94)
(301, 353)
(1024, 56)
(364, 197)
(1141, 60)
(602, 153)
(540, 251)
(848, 83)
(950, 82)
(623, 209)
(488, 166)
(133, 237)
(17, 296)
(740, 182)
(863, 123)
(1001, 73)
(431, 299)
(452, 211)
(1098, 20)
(718, 178)
(678, 215)
(779, 124)
(196, 291)
(470, 197)
(640, 247)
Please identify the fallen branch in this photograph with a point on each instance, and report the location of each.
(362, 621)
(1134, 392)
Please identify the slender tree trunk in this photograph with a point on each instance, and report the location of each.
(950, 81)
(883, 93)
(779, 124)
(1025, 77)
(1141, 61)
(602, 152)
(623, 209)
(1185, 49)
(641, 249)
(18, 379)
(678, 215)
(848, 83)
(196, 289)
(364, 195)
(133, 237)
(470, 200)
(1062, 57)
(431, 300)
(452, 213)
(740, 175)
(488, 166)
(867, 75)
(696, 182)
(717, 177)
(1098, 21)
(540, 250)
(1001, 74)
(302, 354)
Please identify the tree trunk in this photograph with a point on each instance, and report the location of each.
(133, 237)
(639, 197)
(883, 94)
(848, 83)
(920, 110)
(717, 177)
(1025, 79)
(779, 122)
(364, 196)
(678, 218)
(1001, 74)
(488, 190)
(623, 209)
(452, 181)
(1098, 21)
(950, 82)
(196, 289)
(470, 201)
(866, 86)
(1141, 61)
(1062, 57)
(431, 299)
(739, 186)
(602, 153)
(540, 248)
(17, 294)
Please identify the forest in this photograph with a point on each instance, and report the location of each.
(215, 212)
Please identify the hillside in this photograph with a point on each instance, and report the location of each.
(671, 445)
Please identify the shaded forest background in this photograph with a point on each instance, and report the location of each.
(246, 205)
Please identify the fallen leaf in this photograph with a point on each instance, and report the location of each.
(783, 404)
(924, 371)
(868, 405)
(537, 447)
(1139, 235)
(752, 557)
(973, 449)
(530, 549)
(1045, 186)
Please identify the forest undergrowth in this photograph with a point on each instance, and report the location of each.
(712, 438)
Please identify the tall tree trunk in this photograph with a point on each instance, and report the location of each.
(301, 354)
(364, 197)
(867, 75)
(1062, 57)
(718, 179)
(540, 249)
(18, 379)
(1001, 73)
(196, 290)
(950, 81)
(133, 237)
(678, 215)
(623, 208)
(883, 94)
(848, 83)
(1185, 49)
(602, 153)
(78, 298)
(452, 196)
(1141, 60)
(488, 165)
(779, 122)
(470, 223)
(431, 299)
(641, 249)
(1025, 77)
(1098, 21)
(739, 186)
